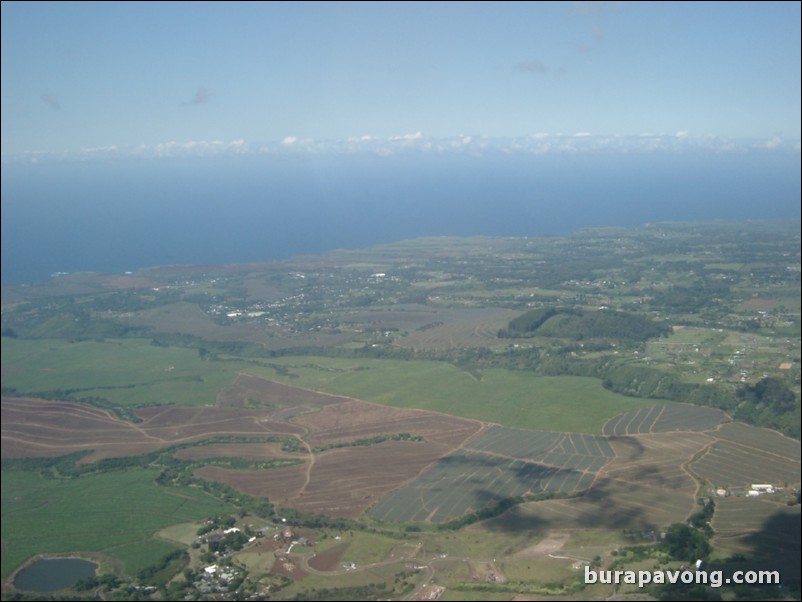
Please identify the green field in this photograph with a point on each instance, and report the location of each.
(115, 514)
(605, 467)
(134, 372)
(512, 398)
(124, 371)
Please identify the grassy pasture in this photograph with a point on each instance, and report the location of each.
(512, 398)
(132, 371)
(125, 371)
(106, 513)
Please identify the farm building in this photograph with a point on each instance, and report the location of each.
(763, 488)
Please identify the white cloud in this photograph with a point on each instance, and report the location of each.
(415, 136)
(541, 143)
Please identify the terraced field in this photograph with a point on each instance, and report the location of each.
(664, 418)
(498, 463)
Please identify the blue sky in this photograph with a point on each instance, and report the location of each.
(202, 77)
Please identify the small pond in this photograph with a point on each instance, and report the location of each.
(52, 574)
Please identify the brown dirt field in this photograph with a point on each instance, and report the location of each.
(287, 567)
(553, 542)
(248, 451)
(280, 484)
(330, 559)
(341, 482)
(182, 422)
(271, 393)
(360, 419)
(37, 428)
(344, 482)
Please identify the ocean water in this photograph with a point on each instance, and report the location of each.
(124, 215)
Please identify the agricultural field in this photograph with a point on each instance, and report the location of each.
(468, 481)
(109, 514)
(362, 416)
(33, 427)
(510, 398)
(663, 418)
(728, 464)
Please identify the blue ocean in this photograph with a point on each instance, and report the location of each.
(123, 215)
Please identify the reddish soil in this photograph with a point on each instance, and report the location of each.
(286, 566)
(330, 559)
(279, 484)
(354, 419)
(342, 482)
(272, 394)
(248, 451)
(34, 427)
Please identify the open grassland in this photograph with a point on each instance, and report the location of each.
(459, 328)
(135, 372)
(106, 513)
(511, 398)
(663, 418)
(124, 371)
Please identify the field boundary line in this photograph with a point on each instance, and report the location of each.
(657, 419)
(373, 403)
(757, 449)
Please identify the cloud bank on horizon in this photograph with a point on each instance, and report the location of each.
(580, 143)
(99, 80)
